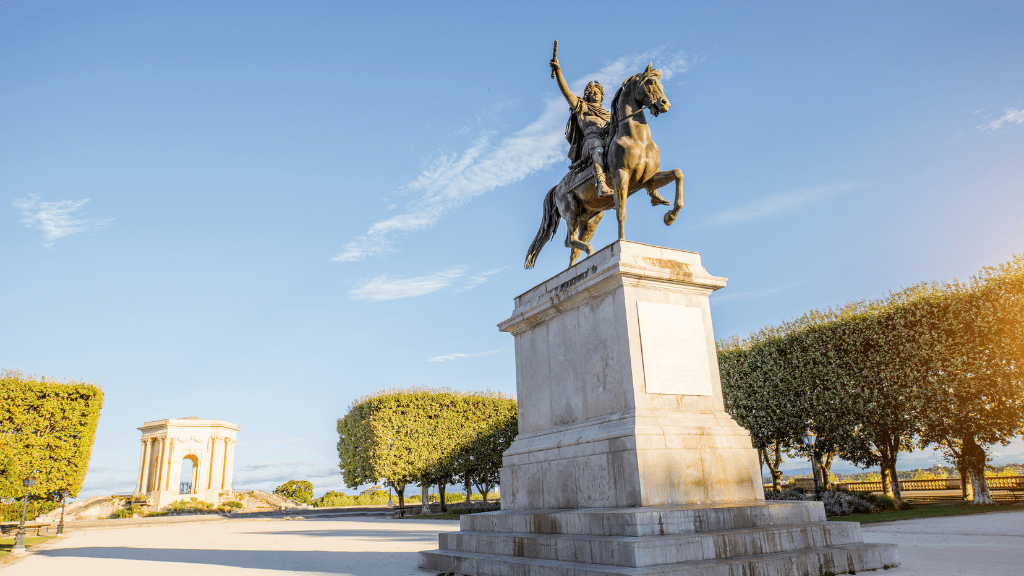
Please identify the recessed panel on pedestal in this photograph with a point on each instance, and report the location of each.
(674, 349)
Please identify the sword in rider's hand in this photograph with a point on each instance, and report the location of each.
(553, 56)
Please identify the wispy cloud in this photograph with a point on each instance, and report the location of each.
(55, 218)
(1010, 116)
(384, 288)
(480, 278)
(459, 355)
(456, 179)
(752, 294)
(784, 202)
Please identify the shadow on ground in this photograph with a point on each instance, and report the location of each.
(317, 561)
(425, 536)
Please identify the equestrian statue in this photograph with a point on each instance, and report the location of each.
(603, 146)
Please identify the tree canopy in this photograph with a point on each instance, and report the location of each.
(46, 427)
(425, 436)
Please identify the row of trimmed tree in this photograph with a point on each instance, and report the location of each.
(427, 437)
(938, 364)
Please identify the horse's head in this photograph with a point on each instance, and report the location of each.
(648, 91)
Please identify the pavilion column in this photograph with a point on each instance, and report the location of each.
(196, 475)
(147, 465)
(142, 466)
(170, 463)
(229, 461)
(161, 468)
(217, 463)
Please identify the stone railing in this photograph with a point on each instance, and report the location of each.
(994, 483)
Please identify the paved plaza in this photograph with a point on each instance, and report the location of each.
(983, 545)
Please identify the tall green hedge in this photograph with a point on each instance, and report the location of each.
(46, 426)
(938, 363)
(425, 436)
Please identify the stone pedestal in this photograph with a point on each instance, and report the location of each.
(626, 461)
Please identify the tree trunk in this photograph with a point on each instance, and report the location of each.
(469, 493)
(425, 491)
(400, 490)
(974, 458)
(965, 479)
(887, 481)
(826, 470)
(484, 490)
(440, 488)
(898, 494)
(773, 461)
(888, 450)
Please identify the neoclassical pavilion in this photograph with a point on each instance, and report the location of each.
(207, 445)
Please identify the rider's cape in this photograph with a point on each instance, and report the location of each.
(574, 134)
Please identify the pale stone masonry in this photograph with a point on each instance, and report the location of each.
(626, 460)
(208, 444)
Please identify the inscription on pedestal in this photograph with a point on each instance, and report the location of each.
(674, 349)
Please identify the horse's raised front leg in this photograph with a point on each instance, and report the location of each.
(661, 179)
(620, 181)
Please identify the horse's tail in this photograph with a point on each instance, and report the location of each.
(548, 227)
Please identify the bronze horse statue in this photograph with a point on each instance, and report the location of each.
(632, 162)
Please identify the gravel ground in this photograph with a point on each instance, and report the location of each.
(979, 544)
(982, 545)
(361, 547)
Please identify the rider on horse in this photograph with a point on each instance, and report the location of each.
(587, 127)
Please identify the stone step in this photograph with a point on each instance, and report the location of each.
(664, 520)
(841, 559)
(654, 550)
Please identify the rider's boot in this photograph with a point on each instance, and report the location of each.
(603, 190)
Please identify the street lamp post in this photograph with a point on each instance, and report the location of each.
(60, 525)
(809, 438)
(19, 538)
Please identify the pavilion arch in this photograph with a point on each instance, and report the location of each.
(209, 445)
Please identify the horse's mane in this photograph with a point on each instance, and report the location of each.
(614, 122)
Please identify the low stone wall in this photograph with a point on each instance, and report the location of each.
(994, 483)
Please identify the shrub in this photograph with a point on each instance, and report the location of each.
(193, 506)
(123, 513)
(233, 504)
(843, 503)
(770, 494)
(840, 502)
(372, 497)
(298, 490)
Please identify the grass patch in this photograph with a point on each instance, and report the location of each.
(7, 543)
(927, 512)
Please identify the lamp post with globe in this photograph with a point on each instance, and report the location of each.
(809, 438)
(19, 538)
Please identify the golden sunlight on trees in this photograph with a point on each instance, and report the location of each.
(934, 364)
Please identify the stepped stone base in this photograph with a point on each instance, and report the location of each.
(752, 539)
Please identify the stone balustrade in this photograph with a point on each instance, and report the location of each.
(994, 483)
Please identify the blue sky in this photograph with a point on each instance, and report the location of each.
(261, 211)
